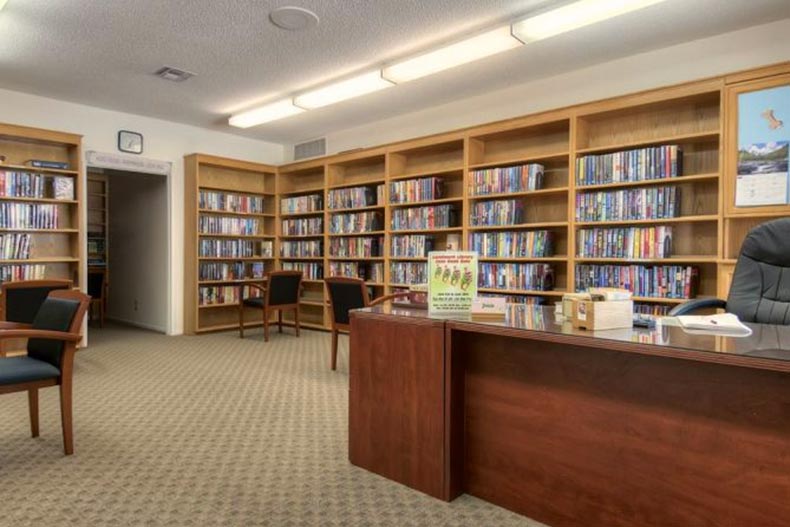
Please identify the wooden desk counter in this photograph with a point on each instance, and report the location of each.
(627, 428)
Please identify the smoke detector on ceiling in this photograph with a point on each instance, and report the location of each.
(293, 18)
(173, 74)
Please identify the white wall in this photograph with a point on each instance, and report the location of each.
(164, 140)
(138, 250)
(726, 53)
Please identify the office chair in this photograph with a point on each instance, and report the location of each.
(345, 294)
(281, 293)
(21, 300)
(52, 342)
(760, 289)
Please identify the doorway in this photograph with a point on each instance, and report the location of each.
(128, 248)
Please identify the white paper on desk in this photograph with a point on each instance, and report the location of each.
(723, 324)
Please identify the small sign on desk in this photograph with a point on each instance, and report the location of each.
(489, 308)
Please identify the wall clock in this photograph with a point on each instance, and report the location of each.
(130, 142)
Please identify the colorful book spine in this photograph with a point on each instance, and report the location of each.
(357, 247)
(422, 189)
(516, 244)
(224, 294)
(632, 204)
(659, 310)
(21, 184)
(302, 249)
(311, 270)
(411, 245)
(300, 204)
(409, 273)
(370, 272)
(303, 227)
(528, 300)
(14, 273)
(222, 271)
(15, 246)
(512, 276)
(423, 218)
(504, 180)
(625, 242)
(211, 248)
(353, 223)
(353, 197)
(28, 216)
(226, 202)
(654, 281)
(497, 212)
(658, 162)
(228, 225)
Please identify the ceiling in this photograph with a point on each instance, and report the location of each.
(103, 52)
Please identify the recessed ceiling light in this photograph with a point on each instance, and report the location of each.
(264, 114)
(171, 74)
(293, 18)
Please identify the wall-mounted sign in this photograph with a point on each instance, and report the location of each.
(452, 281)
(129, 163)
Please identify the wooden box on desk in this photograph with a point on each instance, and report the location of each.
(610, 314)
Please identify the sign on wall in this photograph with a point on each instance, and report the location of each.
(127, 162)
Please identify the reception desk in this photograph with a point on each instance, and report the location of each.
(612, 428)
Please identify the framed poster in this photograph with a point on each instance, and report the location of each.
(452, 281)
(763, 164)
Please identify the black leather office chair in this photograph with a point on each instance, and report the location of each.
(760, 289)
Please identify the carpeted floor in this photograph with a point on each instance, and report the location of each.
(205, 431)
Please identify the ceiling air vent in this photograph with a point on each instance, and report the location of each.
(173, 74)
(310, 149)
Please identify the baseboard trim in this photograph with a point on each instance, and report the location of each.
(141, 325)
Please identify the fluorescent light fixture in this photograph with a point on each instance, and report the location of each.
(340, 91)
(573, 16)
(264, 114)
(2, 4)
(469, 50)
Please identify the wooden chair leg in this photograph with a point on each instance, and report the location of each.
(280, 320)
(266, 325)
(241, 320)
(65, 415)
(32, 402)
(334, 349)
(296, 320)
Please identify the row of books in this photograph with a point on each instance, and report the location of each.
(411, 245)
(357, 247)
(502, 180)
(529, 300)
(223, 201)
(223, 294)
(30, 185)
(370, 272)
(13, 273)
(297, 204)
(497, 212)
(422, 218)
(659, 310)
(210, 248)
(513, 244)
(355, 197)
(231, 271)
(658, 281)
(28, 216)
(529, 276)
(303, 227)
(625, 242)
(15, 246)
(352, 223)
(631, 204)
(228, 225)
(409, 272)
(657, 162)
(302, 249)
(311, 270)
(422, 189)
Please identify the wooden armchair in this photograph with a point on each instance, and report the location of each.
(21, 300)
(280, 293)
(346, 294)
(52, 342)
(97, 289)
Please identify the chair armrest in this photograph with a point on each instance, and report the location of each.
(698, 303)
(14, 325)
(39, 334)
(387, 298)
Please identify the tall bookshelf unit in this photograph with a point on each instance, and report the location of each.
(230, 238)
(98, 220)
(55, 250)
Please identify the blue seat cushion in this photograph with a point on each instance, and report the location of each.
(254, 302)
(16, 370)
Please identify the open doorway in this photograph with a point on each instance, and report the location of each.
(128, 248)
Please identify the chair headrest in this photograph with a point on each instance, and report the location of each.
(769, 243)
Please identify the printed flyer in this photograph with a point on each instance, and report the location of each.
(452, 281)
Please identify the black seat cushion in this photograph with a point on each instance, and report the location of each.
(254, 302)
(15, 370)
(760, 290)
(55, 314)
(345, 297)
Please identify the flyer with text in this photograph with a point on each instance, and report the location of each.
(452, 281)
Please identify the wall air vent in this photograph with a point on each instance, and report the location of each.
(313, 148)
(173, 74)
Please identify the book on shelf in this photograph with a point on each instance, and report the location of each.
(656, 162)
(16, 272)
(409, 272)
(356, 247)
(411, 245)
(518, 299)
(299, 204)
(629, 204)
(311, 270)
(421, 189)
(625, 242)
(358, 222)
(15, 246)
(210, 248)
(423, 218)
(43, 163)
(656, 281)
(302, 249)
(28, 216)
(303, 227)
(497, 212)
(504, 180)
(63, 188)
(228, 225)
(224, 294)
(660, 310)
(230, 202)
(354, 197)
(513, 244)
(511, 276)
(370, 272)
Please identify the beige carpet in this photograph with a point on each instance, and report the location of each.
(210, 430)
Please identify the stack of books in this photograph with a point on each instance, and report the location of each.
(411, 245)
(28, 216)
(221, 271)
(368, 221)
(13, 273)
(498, 212)
(505, 180)
(303, 227)
(371, 272)
(424, 218)
(625, 242)
(210, 248)
(507, 244)
(228, 225)
(657, 281)
(409, 272)
(658, 162)
(630, 204)
(311, 270)
(222, 201)
(528, 276)
(302, 249)
(356, 247)
(298, 204)
(15, 246)
(423, 189)
(353, 197)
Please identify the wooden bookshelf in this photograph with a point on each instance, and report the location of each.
(57, 250)
(235, 180)
(98, 220)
